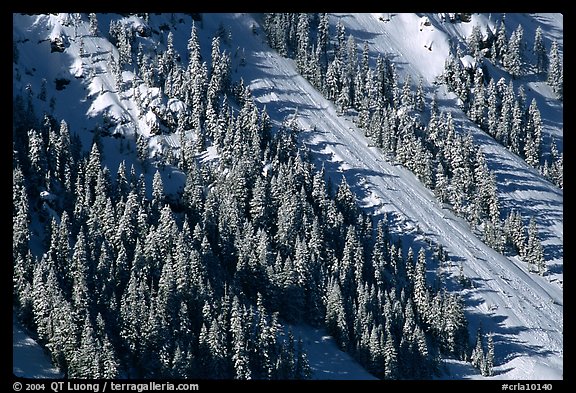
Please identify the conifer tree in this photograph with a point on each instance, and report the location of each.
(335, 316)
(474, 41)
(556, 71)
(421, 294)
(534, 249)
(478, 358)
(540, 53)
(239, 353)
(533, 140)
(303, 51)
(93, 21)
(323, 39)
(392, 368)
(501, 42)
(303, 369)
(514, 58)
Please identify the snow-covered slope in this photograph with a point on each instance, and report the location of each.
(525, 311)
(326, 360)
(91, 99)
(28, 359)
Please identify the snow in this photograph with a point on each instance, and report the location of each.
(28, 358)
(47, 196)
(176, 106)
(209, 155)
(522, 309)
(468, 62)
(326, 360)
(137, 24)
(424, 21)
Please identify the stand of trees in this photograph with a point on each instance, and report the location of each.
(495, 106)
(198, 284)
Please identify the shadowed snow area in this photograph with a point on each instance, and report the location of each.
(523, 310)
(29, 359)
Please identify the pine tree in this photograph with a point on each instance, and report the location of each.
(556, 71)
(346, 201)
(419, 101)
(479, 101)
(86, 361)
(110, 364)
(194, 55)
(455, 334)
(441, 184)
(540, 52)
(260, 204)
(557, 166)
(323, 39)
(93, 22)
(534, 249)
(333, 83)
(336, 324)
(158, 198)
(116, 72)
(240, 358)
(392, 368)
(42, 301)
(286, 366)
(344, 99)
(20, 215)
(303, 51)
(517, 129)
(492, 116)
(423, 354)
(489, 364)
(81, 277)
(501, 42)
(340, 47)
(532, 146)
(407, 92)
(64, 341)
(515, 232)
(22, 286)
(474, 41)
(38, 162)
(421, 294)
(220, 73)
(121, 185)
(302, 369)
(505, 121)
(478, 357)
(135, 307)
(514, 59)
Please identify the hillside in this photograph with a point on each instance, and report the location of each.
(522, 310)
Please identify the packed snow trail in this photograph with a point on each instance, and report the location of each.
(524, 310)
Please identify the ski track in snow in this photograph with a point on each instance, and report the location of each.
(524, 310)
